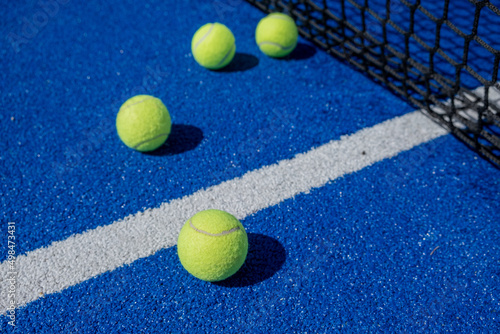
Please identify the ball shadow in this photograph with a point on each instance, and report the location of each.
(265, 257)
(302, 51)
(182, 138)
(241, 62)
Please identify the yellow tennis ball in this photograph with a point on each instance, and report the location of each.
(213, 46)
(212, 245)
(143, 123)
(276, 35)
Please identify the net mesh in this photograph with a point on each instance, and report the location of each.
(442, 56)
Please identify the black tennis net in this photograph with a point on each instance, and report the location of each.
(442, 56)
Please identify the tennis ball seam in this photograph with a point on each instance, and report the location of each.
(135, 147)
(234, 229)
(204, 36)
(227, 55)
(139, 102)
(284, 48)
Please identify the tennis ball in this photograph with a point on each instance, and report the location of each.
(276, 35)
(213, 46)
(143, 123)
(212, 245)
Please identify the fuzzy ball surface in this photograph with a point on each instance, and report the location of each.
(213, 46)
(143, 123)
(212, 245)
(276, 35)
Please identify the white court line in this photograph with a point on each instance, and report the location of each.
(83, 256)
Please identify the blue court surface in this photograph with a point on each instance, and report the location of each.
(362, 214)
